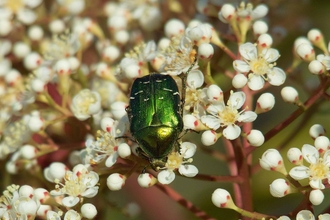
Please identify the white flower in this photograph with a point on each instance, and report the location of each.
(179, 161)
(318, 170)
(260, 66)
(20, 8)
(178, 57)
(85, 104)
(227, 116)
(73, 6)
(105, 147)
(195, 98)
(18, 201)
(77, 183)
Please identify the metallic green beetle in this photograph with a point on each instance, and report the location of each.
(155, 115)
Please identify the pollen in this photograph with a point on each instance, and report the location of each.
(14, 5)
(228, 116)
(174, 161)
(319, 170)
(260, 66)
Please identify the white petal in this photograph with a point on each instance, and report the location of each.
(188, 170)
(187, 149)
(215, 108)
(32, 3)
(255, 82)
(316, 184)
(195, 79)
(5, 47)
(70, 201)
(93, 178)
(5, 66)
(299, 172)
(231, 132)
(259, 11)
(326, 158)
(248, 51)
(310, 153)
(5, 13)
(75, 7)
(90, 192)
(211, 121)
(247, 116)
(237, 99)
(166, 176)
(270, 54)
(111, 160)
(276, 77)
(26, 16)
(241, 66)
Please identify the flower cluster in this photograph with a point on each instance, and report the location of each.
(96, 93)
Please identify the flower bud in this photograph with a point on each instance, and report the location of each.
(227, 13)
(222, 199)
(41, 195)
(56, 170)
(316, 197)
(38, 85)
(322, 144)
(35, 33)
(306, 52)
(264, 41)
(205, 51)
(116, 23)
(118, 109)
(32, 61)
(62, 67)
(163, 43)
(259, 27)
(88, 211)
(13, 77)
(35, 123)
(265, 103)
(74, 63)
(124, 150)
(132, 71)
(272, 160)
(43, 210)
(21, 49)
(209, 137)
(239, 80)
(26, 191)
(146, 180)
(299, 41)
(316, 37)
(174, 27)
(190, 122)
(316, 130)
(116, 181)
(316, 67)
(110, 53)
(107, 124)
(294, 155)
(305, 214)
(289, 94)
(28, 151)
(122, 37)
(56, 26)
(255, 138)
(214, 93)
(6, 27)
(279, 188)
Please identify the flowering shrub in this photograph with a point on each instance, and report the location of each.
(243, 74)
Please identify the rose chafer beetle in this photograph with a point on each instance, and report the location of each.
(155, 114)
